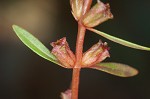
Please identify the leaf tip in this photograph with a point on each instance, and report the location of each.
(14, 26)
(133, 73)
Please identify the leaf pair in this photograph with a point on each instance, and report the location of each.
(113, 68)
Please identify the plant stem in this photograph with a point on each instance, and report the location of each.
(75, 83)
(79, 44)
(77, 67)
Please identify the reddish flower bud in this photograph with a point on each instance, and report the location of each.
(80, 7)
(97, 15)
(66, 95)
(63, 53)
(95, 54)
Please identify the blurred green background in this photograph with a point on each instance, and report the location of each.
(25, 75)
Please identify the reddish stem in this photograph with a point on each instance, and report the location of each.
(79, 44)
(77, 67)
(75, 83)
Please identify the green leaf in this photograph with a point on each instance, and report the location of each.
(34, 44)
(117, 69)
(120, 41)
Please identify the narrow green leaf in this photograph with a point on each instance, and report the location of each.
(117, 69)
(34, 44)
(120, 41)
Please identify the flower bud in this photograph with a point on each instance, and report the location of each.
(97, 15)
(86, 7)
(77, 6)
(80, 7)
(67, 94)
(63, 53)
(95, 54)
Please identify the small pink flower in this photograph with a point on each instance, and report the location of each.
(95, 54)
(63, 53)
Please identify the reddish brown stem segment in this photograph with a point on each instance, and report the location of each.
(77, 67)
(79, 44)
(75, 83)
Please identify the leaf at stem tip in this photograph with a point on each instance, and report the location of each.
(34, 44)
(117, 69)
(120, 41)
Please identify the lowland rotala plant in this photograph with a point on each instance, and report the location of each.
(87, 18)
